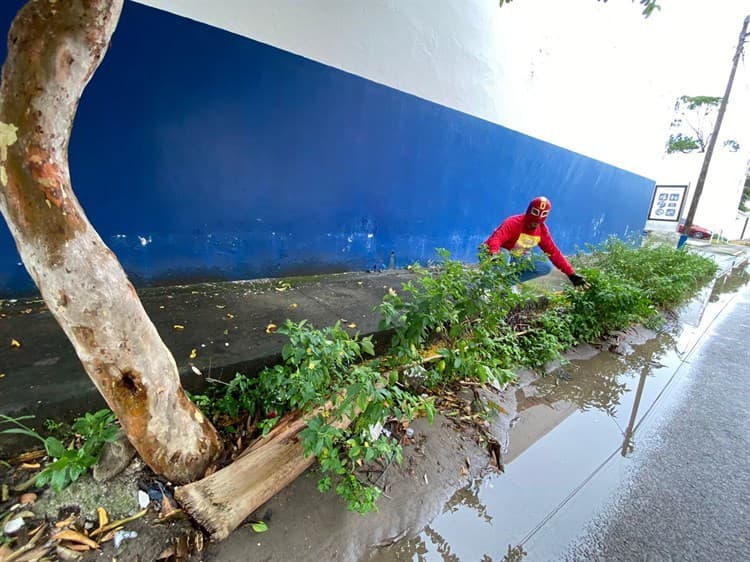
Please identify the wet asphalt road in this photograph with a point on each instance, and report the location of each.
(689, 498)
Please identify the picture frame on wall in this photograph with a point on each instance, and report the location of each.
(667, 203)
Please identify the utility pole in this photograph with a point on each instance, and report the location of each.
(714, 136)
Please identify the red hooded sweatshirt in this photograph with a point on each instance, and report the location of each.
(515, 236)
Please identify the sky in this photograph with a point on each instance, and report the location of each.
(602, 79)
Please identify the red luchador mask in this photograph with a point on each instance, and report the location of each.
(537, 211)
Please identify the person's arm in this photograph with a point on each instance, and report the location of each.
(507, 231)
(549, 247)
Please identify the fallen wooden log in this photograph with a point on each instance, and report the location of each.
(223, 500)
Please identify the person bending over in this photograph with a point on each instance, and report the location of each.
(519, 234)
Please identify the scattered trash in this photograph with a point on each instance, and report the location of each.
(13, 526)
(193, 353)
(409, 432)
(143, 499)
(15, 344)
(123, 535)
(195, 369)
(178, 327)
(375, 430)
(271, 328)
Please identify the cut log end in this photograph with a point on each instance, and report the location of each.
(212, 516)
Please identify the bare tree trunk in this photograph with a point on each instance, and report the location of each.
(53, 50)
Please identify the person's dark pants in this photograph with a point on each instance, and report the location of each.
(540, 267)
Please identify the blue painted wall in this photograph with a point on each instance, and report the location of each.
(199, 154)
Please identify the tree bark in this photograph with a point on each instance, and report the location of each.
(53, 50)
(222, 501)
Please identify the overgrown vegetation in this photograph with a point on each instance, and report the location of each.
(68, 462)
(453, 323)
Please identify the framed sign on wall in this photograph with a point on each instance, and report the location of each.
(667, 203)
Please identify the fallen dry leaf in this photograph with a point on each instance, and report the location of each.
(230, 315)
(65, 522)
(119, 523)
(76, 547)
(271, 328)
(293, 305)
(74, 537)
(351, 325)
(31, 465)
(178, 327)
(15, 343)
(193, 353)
(64, 553)
(103, 517)
(109, 535)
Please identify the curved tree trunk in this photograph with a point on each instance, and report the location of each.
(53, 50)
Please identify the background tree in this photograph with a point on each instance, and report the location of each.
(745, 195)
(648, 5)
(53, 50)
(694, 124)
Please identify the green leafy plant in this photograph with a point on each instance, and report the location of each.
(90, 433)
(452, 323)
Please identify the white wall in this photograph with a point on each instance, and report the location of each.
(589, 76)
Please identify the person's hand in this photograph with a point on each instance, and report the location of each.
(578, 281)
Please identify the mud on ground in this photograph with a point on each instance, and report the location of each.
(464, 442)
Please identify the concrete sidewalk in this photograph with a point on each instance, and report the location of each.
(225, 323)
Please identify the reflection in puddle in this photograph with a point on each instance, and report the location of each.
(575, 434)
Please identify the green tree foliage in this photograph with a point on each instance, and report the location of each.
(694, 124)
(648, 5)
(745, 195)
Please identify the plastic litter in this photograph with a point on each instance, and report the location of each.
(13, 526)
(122, 535)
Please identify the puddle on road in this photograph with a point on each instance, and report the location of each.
(569, 448)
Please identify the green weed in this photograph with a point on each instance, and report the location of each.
(89, 434)
(475, 327)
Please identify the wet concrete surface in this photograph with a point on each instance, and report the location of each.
(637, 453)
(562, 455)
(225, 323)
(686, 495)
